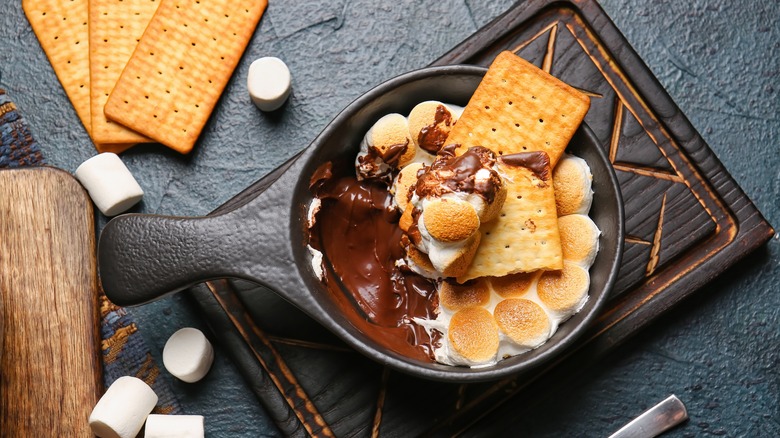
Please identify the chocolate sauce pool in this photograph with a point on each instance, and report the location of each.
(357, 231)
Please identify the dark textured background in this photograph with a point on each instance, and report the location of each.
(720, 60)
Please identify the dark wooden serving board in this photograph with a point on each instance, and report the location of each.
(50, 369)
(686, 222)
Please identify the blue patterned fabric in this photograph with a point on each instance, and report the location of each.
(17, 146)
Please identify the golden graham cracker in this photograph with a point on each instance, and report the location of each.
(62, 29)
(519, 108)
(115, 27)
(180, 67)
(525, 236)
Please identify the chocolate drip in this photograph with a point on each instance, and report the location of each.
(370, 164)
(537, 162)
(432, 137)
(449, 150)
(451, 173)
(323, 173)
(414, 229)
(392, 155)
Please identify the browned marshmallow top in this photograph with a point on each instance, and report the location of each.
(432, 122)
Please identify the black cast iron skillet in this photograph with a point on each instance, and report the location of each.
(143, 257)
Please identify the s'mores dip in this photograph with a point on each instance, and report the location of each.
(461, 235)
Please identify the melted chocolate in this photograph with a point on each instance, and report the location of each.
(370, 165)
(323, 173)
(537, 162)
(414, 229)
(357, 231)
(432, 137)
(450, 174)
(393, 153)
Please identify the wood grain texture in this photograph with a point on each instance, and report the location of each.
(50, 364)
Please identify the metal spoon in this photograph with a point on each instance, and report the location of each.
(655, 421)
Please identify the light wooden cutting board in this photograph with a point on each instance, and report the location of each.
(50, 364)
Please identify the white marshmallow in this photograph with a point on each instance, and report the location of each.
(122, 410)
(109, 183)
(316, 262)
(269, 83)
(188, 355)
(174, 426)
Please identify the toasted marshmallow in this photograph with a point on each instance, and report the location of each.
(514, 285)
(472, 338)
(386, 147)
(403, 185)
(523, 321)
(579, 239)
(572, 181)
(454, 296)
(449, 220)
(430, 123)
(564, 292)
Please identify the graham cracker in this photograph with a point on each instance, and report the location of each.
(115, 27)
(63, 31)
(180, 67)
(519, 108)
(525, 236)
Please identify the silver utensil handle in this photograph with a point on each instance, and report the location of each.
(655, 421)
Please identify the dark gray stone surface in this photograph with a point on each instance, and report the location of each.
(720, 61)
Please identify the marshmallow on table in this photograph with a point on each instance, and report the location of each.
(188, 355)
(109, 183)
(122, 410)
(174, 426)
(269, 83)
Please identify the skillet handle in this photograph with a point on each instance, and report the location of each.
(144, 257)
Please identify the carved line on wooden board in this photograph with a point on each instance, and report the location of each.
(380, 402)
(636, 240)
(548, 57)
(617, 126)
(320, 427)
(523, 45)
(308, 344)
(655, 251)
